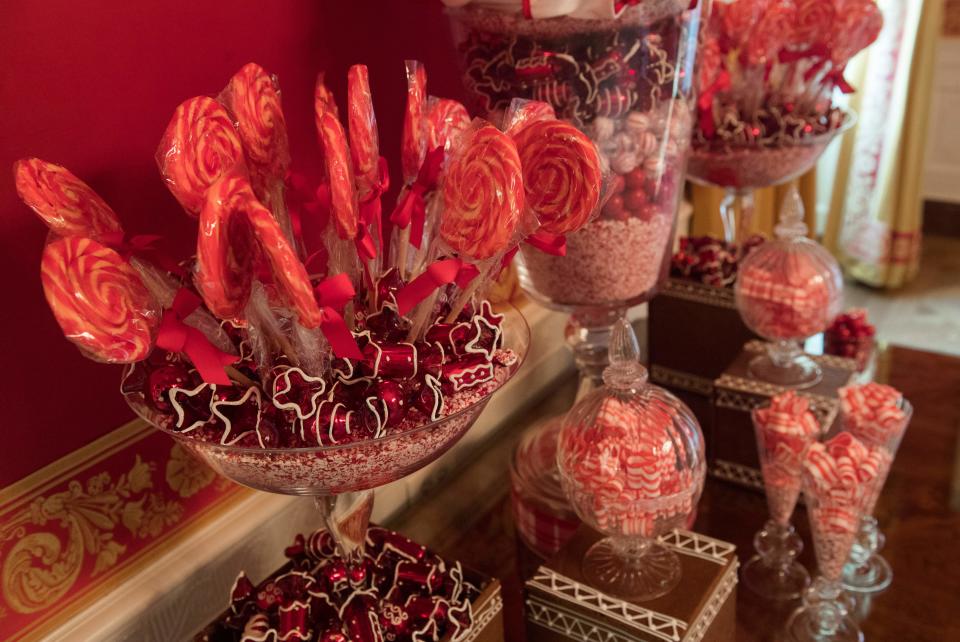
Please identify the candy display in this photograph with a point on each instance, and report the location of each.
(769, 71)
(878, 415)
(711, 261)
(632, 464)
(851, 335)
(622, 73)
(784, 429)
(328, 381)
(788, 289)
(405, 592)
(837, 476)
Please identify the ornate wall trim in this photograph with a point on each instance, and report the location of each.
(77, 527)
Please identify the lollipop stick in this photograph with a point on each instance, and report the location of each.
(239, 377)
(466, 295)
(421, 316)
(278, 206)
(404, 243)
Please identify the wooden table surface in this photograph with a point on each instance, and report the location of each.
(468, 517)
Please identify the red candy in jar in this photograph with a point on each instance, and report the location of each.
(631, 460)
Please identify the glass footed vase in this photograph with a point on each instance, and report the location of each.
(627, 83)
(867, 571)
(341, 478)
(739, 170)
(632, 464)
(788, 289)
(825, 615)
(774, 572)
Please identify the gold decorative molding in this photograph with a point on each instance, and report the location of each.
(69, 531)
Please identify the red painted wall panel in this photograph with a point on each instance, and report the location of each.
(91, 85)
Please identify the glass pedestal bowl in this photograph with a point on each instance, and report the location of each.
(741, 169)
(632, 464)
(788, 289)
(627, 82)
(341, 477)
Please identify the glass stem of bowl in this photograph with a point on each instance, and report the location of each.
(736, 228)
(347, 517)
(825, 597)
(588, 335)
(631, 550)
(783, 352)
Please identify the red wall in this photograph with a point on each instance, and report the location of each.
(91, 86)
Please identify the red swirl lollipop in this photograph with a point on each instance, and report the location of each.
(65, 203)
(561, 174)
(362, 124)
(482, 195)
(858, 24)
(199, 146)
(812, 21)
(529, 111)
(412, 143)
(336, 154)
(225, 248)
(98, 300)
(253, 98)
(446, 119)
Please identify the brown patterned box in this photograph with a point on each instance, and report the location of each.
(694, 332)
(562, 607)
(733, 455)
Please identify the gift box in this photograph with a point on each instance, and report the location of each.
(561, 606)
(733, 453)
(402, 591)
(694, 332)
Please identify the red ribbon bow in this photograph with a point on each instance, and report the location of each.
(143, 246)
(371, 213)
(411, 208)
(555, 244)
(176, 336)
(437, 274)
(333, 293)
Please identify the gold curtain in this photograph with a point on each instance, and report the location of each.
(876, 207)
(706, 207)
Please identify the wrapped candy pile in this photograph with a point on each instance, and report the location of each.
(292, 327)
(768, 72)
(402, 591)
(630, 454)
(790, 287)
(837, 477)
(875, 414)
(785, 429)
(625, 466)
(711, 261)
(850, 335)
(622, 73)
